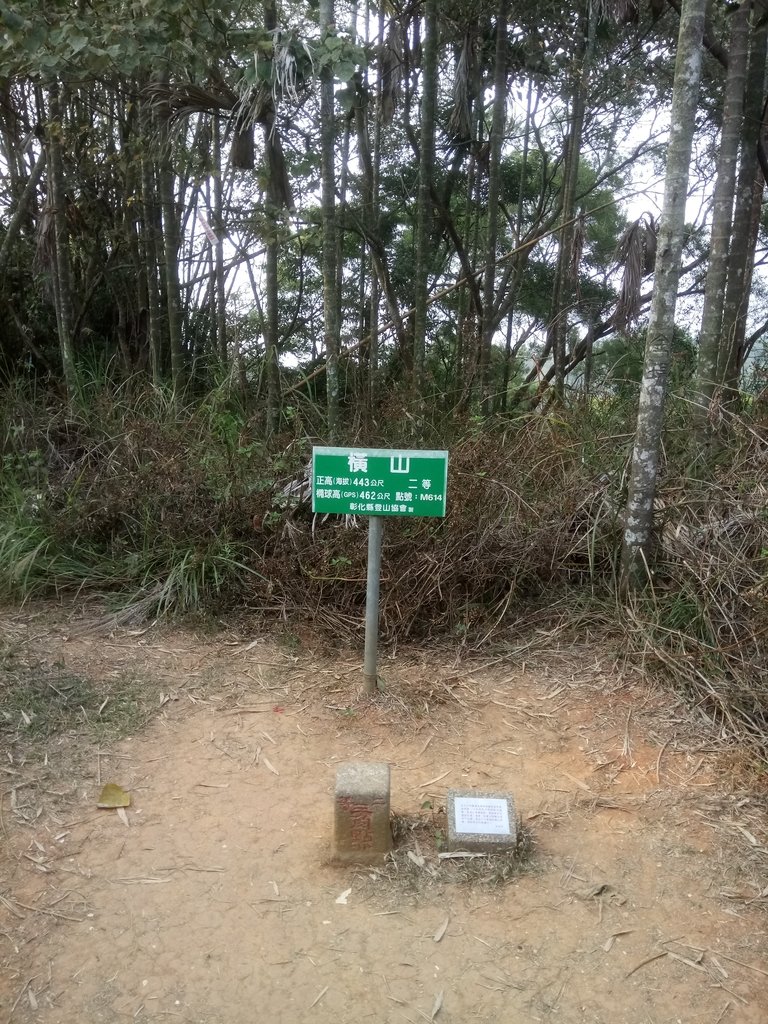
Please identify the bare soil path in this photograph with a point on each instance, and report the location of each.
(643, 901)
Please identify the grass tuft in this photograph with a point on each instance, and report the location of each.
(38, 702)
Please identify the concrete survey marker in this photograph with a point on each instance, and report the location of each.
(361, 832)
(481, 822)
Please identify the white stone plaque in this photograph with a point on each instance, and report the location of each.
(482, 814)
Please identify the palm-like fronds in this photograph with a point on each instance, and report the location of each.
(252, 105)
(177, 101)
(391, 69)
(459, 121)
(635, 255)
(623, 12)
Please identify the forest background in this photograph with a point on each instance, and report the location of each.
(230, 231)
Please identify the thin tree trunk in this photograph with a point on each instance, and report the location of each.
(638, 531)
(710, 337)
(332, 325)
(566, 273)
(738, 292)
(218, 203)
(501, 401)
(271, 332)
(271, 299)
(342, 203)
(470, 321)
(170, 240)
(373, 358)
(152, 237)
(423, 196)
(62, 276)
(22, 210)
(498, 121)
(516, 241)
(746, 218)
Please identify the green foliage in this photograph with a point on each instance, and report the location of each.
(340, 54)
(31, 561)
(104, 39)
(619, 361)
(153, 505)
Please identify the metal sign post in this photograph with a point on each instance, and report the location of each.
(377, 483)
(375, 533)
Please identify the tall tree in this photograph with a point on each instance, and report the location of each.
(331, 317)
(423, 195)
(149, 234)
(638, 527)
(277, 196)
(61, 265)
(750, 185)
(710, 336)
(170, 242)
(498, 121)
(567, 265)
(218, 245)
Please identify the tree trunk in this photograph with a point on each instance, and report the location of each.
(22, 210)
(567, 272)
(272, 330)
(271, 302)
(62, 273)
(373, 355)
(638, 531)
(332, 325)
(149, 247)
(710, 337)
(218, 249)
(498, 121)
(746, 218)
(424, 200)
(170, 241)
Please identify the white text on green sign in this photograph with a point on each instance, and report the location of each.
(379, 481)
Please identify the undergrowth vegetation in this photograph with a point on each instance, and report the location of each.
(168, 509)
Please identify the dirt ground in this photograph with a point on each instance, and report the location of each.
(643, 900)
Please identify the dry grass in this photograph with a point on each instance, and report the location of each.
(415, 868)
(526, 518)
(39, 701)
(188, 509)
(704, 621)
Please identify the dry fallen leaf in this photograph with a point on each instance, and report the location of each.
(441, 930)
(123, 816)
(268, 764)
(438, 1003)
(113, 795)
(342, 897)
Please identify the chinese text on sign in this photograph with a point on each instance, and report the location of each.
(379, 482)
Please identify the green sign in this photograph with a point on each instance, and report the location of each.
(379, 482)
